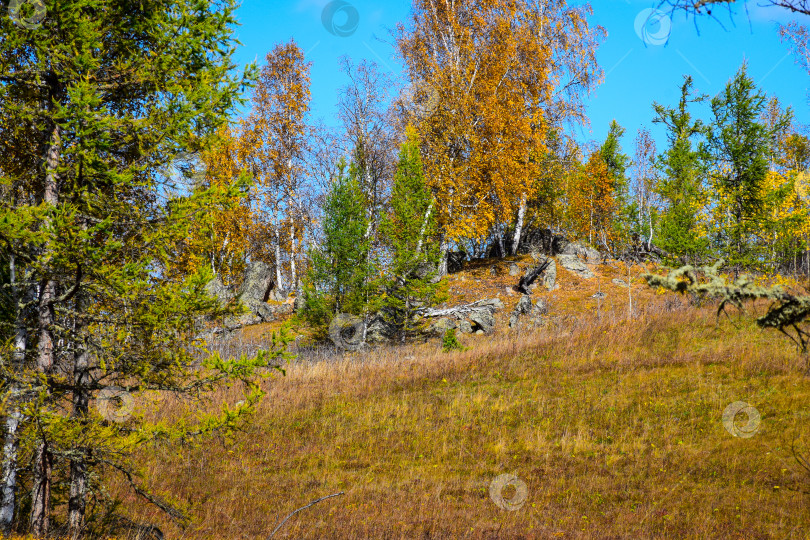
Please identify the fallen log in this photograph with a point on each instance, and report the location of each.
(530, 277)
(489, 305)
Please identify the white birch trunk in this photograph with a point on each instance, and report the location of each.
(14, 418)
(424, 227)
(519, 226)
(293, 274)
(279, 284)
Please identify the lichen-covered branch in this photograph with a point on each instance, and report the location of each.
(787, 312)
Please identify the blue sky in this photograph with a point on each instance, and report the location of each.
(636, 73)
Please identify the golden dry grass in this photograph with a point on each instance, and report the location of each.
(614, 426)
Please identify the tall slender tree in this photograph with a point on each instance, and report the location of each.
(409, 233)
(97, 99)
(274, 143)
(340, 272)
(682, 188)
(741, 143)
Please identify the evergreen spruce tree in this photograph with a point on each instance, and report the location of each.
(97, 98)
(340, 274)
(682, 189)
(617, 161)
(409, 233)
(741, 143)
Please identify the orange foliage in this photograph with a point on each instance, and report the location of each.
(494, 74)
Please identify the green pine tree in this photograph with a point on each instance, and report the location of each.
(409, 233)
(741, 143)
(617, 163)
(97, 98)
(682, 191)
(339, 280)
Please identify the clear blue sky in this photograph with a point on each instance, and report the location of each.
(636, 74)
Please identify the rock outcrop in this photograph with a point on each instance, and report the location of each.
(257, 283)
(455, 261)
(468, 318)
(573, 264)
(257, 288)
(586, 253)
(523, 307)
(379, 328)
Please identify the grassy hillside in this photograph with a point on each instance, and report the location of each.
(614, 426)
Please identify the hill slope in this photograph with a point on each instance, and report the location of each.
(615, 427)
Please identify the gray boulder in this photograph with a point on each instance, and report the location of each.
(278, 295)
(575, 266)
(524, 305)
(484, 319)
(298, 304)
(550, 275)
(589, 254)
(492, 303)
(514, 269)
(217, 289)
(263, 310)
(257, 282)
(235, 322)
(541, 307)
(465, 327)
(379, 329)
(440, 326)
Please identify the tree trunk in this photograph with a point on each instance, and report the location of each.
(443, 259)
(14, 418)
(424, 227)
(41, 489)
(78, 465)
(293, 274)
(279, 284)
(519, 225)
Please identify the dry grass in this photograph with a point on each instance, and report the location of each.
(614, 426)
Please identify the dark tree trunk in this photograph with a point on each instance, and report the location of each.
(41, 489)
(78, 464)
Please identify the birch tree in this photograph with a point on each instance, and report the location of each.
(500, 74)
(273, 149)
